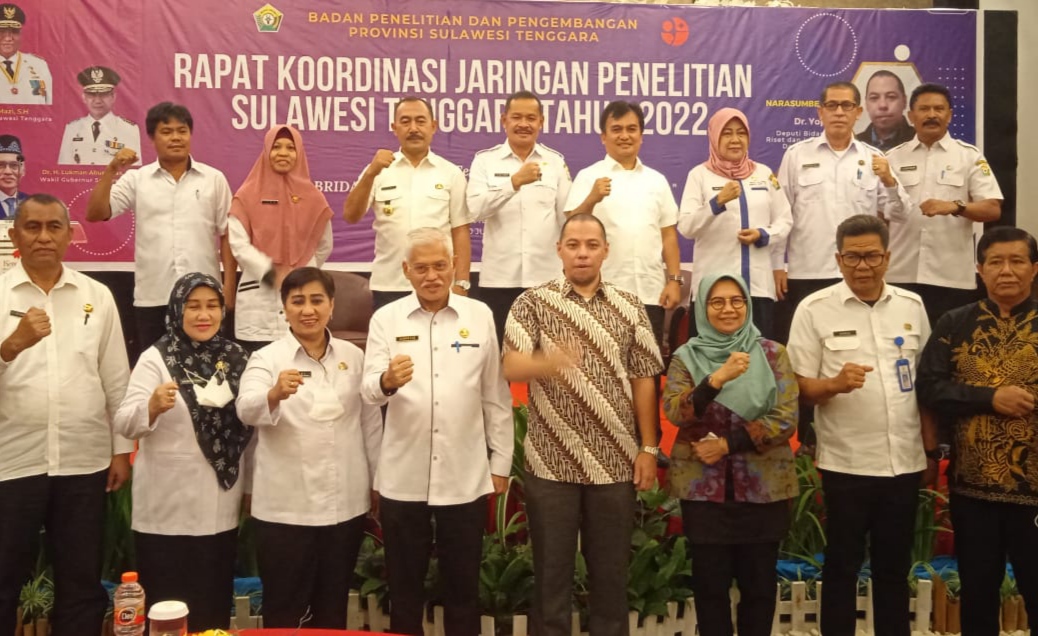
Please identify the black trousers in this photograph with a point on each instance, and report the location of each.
(72, 510)
(500, 300)
(752, 565)
(383, 298)
(881, 509)
(307, 570)
(985, 533)
(407, 530)
(938, 300)
(150, 323)
(197, 570)
(604, 517)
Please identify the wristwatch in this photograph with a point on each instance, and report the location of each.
(677, 278)
(937, 454)
(652, 450)
(961, 206)
(464, 284)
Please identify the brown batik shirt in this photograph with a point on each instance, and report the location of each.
(581, 426)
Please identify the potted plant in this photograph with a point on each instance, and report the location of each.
(36, 601)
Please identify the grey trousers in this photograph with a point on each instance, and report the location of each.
(604, 517)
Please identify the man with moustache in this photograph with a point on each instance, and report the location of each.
(979, 372)
(587, 349)
(180, 206)
(27, 76)
(12, 169)
(518, 189)
(63, 374)
(433, 357)
(854, 347)
(639, 213)
(952, 188)
(411, 188)
(827, 179)
(885, 105)
(96, 138)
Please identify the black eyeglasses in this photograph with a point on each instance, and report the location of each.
(717, 304)
(853, 259)
(844, 106)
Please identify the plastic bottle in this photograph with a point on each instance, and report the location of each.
(129, 606)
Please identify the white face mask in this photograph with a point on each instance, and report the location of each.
(216, 393)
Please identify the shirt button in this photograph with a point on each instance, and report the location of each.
(436, 403)
(435, 458)
(436, 348)
(436, 430)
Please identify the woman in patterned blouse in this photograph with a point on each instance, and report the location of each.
(734, 397)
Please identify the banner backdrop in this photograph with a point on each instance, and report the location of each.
(334, 70)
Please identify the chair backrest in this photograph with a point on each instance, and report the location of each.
(353, 305)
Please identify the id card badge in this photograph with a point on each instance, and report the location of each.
(904, 374)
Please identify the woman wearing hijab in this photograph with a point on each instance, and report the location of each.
(187, 488)
(315, 459)
(279, 221)
(733, 396)
(737, 214)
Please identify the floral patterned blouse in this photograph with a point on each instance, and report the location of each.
(760, 461)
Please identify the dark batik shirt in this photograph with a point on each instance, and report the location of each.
(971, 353)
(581, 426)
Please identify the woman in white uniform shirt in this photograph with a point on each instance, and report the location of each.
(279, 220)
(315, 458)
(734, 209)
(186, 487)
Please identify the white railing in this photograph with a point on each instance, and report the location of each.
(799, 614)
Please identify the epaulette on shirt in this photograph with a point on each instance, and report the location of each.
(554, 152)
(966, 145)
(132, 123)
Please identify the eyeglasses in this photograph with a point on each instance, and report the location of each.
(853, 259)
(439, 267)
(717, 304)
(13, 166)
(844, 106)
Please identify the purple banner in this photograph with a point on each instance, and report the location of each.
(334, 69)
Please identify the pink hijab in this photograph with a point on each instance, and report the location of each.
(723, 167)
(285, 215)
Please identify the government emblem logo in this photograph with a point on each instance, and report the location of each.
(268, 19)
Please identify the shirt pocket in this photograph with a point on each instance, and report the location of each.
(543, 194)
(387, 198)
(908, 178)
(952, 177)
(809, 184)
(841, 345)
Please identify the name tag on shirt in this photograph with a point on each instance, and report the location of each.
(717, 188)
(501, 174)
(268, 201)
(811, 165)
(406, 338)
(391, 187)
(847, 333)
(908, 168)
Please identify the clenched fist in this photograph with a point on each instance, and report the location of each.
(123, 159)
(399, 373)
(382, 159)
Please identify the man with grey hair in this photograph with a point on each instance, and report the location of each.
(854, 348)
(433, 357)
(63, 349)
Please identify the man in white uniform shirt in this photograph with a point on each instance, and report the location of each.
(27, 76)
(827, 179)
(12, 169)
(951, 187)
(518, 189)
(411, 188)
(96, 138)
(181, 208)
(433, 356)
(637, 208)
(63, 373)
(854, 347)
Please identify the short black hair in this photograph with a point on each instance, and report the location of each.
(617, 109)
(40, 199)
(860, 225)
(583, 217)
(167, 111)
(524, 95)
(930, 87)
(302, 276)
(412, 98)
(852, 87)
(886, 73)
(1006, 234)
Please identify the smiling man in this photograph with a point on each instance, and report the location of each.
(411, 188)
(26, 76)
(433, 357)
(951, 188)
(854, 348)
(980, 374)
(181, 208)
(96, 138)
(63, 374)
(12, 169)
(518, 189)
